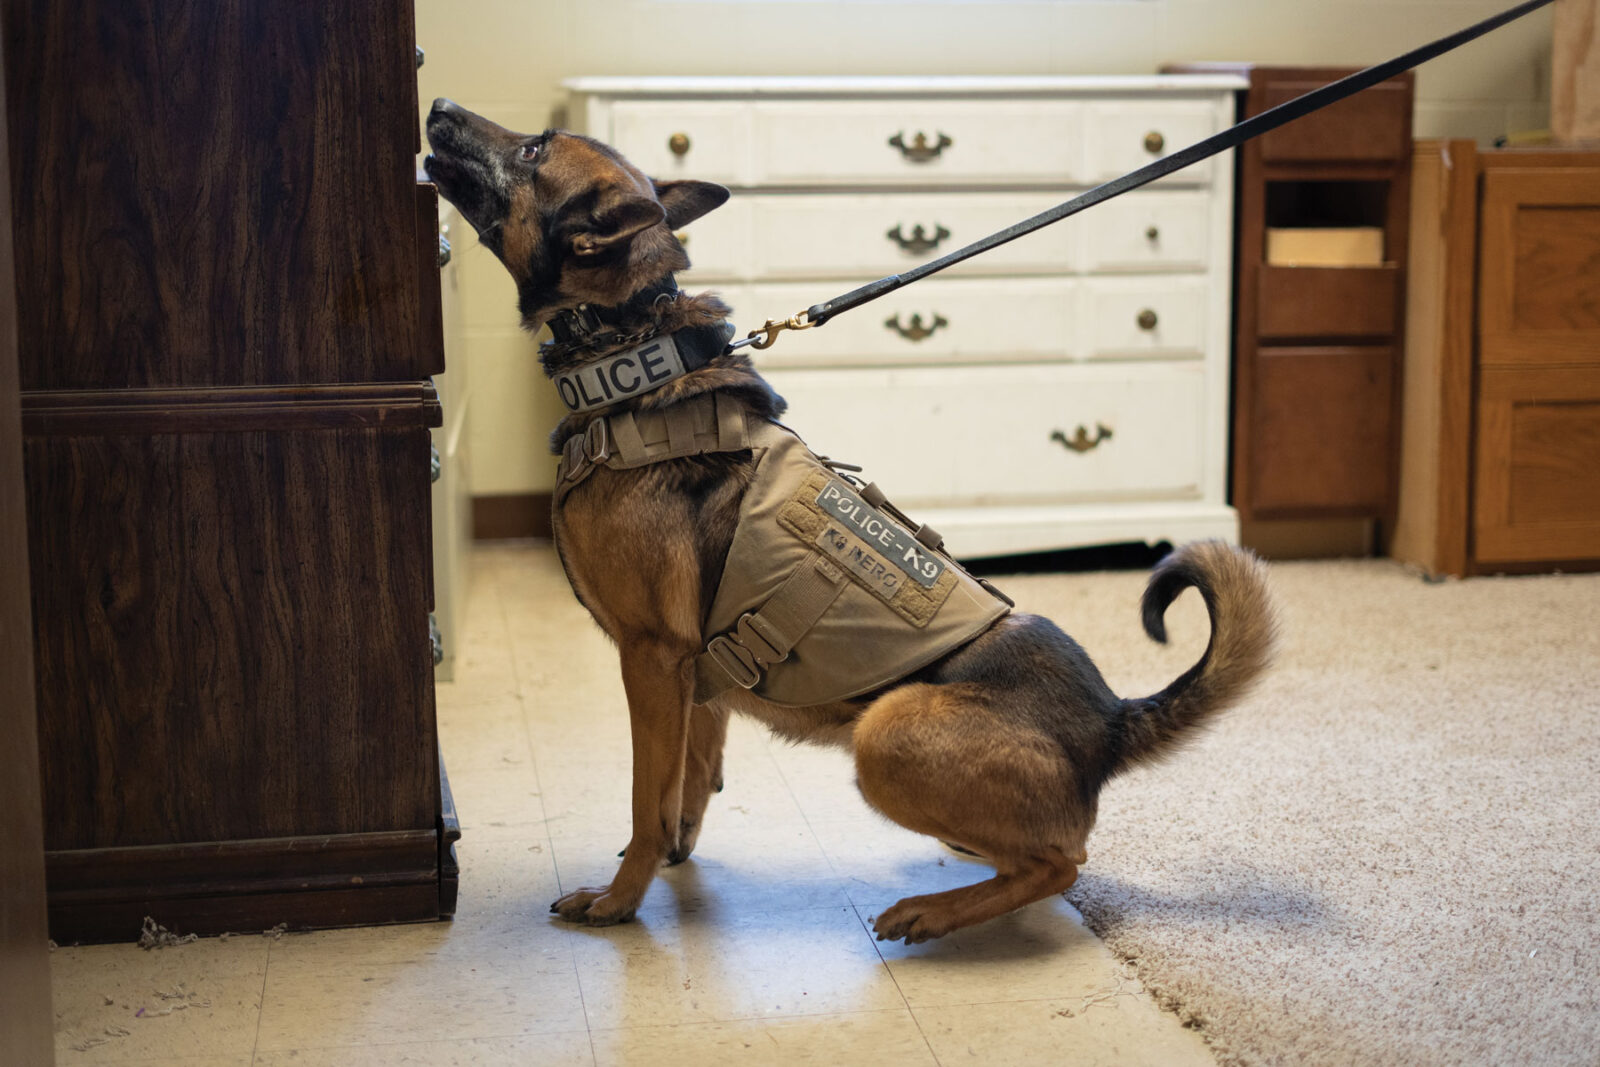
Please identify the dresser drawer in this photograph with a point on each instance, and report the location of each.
(1157, 230)
(1016, 319)
(918, 142)
(777, 236)
(941, 320)
(811, 236)
(1125, 135)
(1008, 434)
(700, 139)
(1143, 318)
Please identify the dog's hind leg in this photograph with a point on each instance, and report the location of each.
(946, 761)
(923, 918)
(702, 775)
(658, 682)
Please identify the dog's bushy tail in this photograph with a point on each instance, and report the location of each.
(1233, 583)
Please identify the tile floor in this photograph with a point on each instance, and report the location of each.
(756, 952)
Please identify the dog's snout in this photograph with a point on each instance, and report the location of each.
(443, 106)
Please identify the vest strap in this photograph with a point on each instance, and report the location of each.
(710, 422)
(742, 655)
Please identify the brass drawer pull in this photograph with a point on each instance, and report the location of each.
(919, 150)
(916, 331)
(919, 241)
(678, 144)
(682, 237)
(1154, 142)
(1147, 320)
(1152, 233)
(1080, 441)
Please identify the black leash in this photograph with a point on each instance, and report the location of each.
(818, 314)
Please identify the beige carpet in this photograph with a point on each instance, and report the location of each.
(1391, 854)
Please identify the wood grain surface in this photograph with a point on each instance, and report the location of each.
(199, 185)
(25, 1017)
(246, 650)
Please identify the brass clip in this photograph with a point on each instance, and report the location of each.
(773, 327)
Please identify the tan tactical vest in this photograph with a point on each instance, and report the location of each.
(828, 592)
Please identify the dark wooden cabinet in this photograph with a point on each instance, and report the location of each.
(1318, 349)
(228, 306)
(25, 1017)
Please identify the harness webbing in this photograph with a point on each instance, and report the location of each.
(741, 656)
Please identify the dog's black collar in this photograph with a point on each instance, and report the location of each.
(577, 325)
(600, 383)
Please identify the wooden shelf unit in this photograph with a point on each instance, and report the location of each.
(1318, 349)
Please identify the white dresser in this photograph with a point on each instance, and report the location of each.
(1070, 388)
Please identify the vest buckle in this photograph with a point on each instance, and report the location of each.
(736, 660)
(761, 639)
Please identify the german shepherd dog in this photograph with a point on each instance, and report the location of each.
(1000, 747)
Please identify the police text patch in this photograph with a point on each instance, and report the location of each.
(882, 534)
(618, 377)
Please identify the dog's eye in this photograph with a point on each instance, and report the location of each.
(527, 152)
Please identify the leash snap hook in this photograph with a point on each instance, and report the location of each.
(772, 327)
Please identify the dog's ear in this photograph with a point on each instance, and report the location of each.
(616, 224)
(687, 200)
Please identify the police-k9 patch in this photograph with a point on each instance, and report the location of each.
(886, 537)
(618, 377)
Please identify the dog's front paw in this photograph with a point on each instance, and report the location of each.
(596, 906)
(688, 834)
(913, 920)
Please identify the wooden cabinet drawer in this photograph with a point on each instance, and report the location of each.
(1159, 317)
(1322, 425)
(1537, 486)
(714, 136)
(1372, 125)
(1125, 135)
(1004, 434)
(1147, 231)
(1327, 301)
(941, 320)
(940, 142)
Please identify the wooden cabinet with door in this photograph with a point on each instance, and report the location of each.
(1503, 415)
(227, 295)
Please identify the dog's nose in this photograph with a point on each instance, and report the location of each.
(441, 106)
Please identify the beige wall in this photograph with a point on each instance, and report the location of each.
(507, 59)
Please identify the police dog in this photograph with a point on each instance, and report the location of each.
(1000, 747)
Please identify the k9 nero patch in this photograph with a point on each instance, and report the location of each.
(618, 377)
(885, 536)
(869, 567)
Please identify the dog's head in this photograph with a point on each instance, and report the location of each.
(573, 221)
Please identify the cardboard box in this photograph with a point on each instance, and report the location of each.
(1356, 246)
